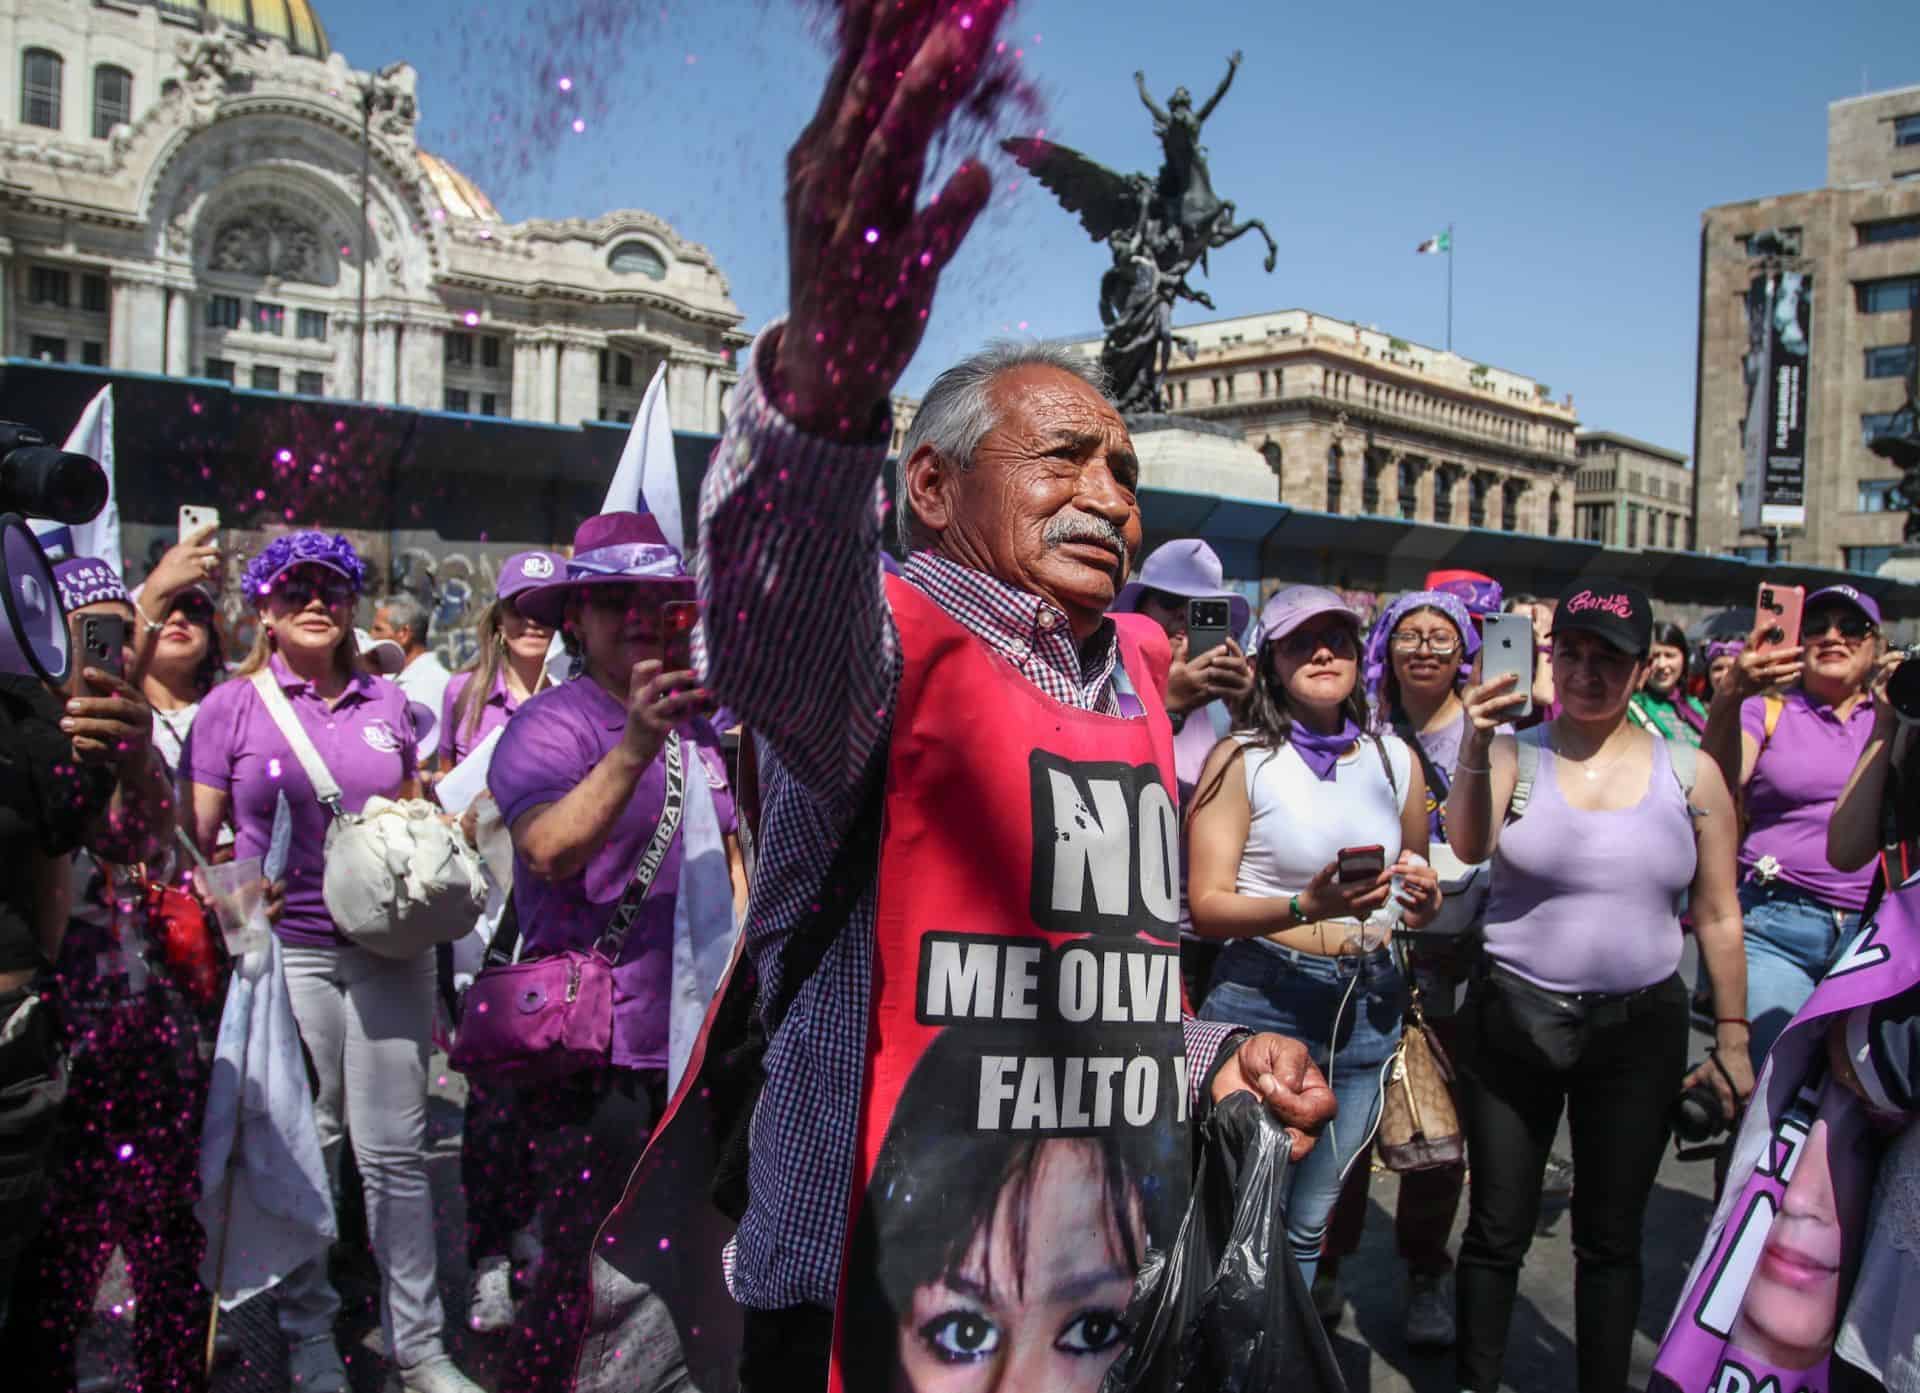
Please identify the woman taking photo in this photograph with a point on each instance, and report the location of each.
(509, 668)
(582, 780)
(1663, 705)
(180, 639)
(366, 1020)
(1302, 780)
(1788, 729)
(1581, 1008)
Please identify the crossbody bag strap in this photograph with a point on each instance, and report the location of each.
(298, 741)
(1526, 760)
(627, 912)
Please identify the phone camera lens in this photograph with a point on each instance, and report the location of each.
(1776, 634)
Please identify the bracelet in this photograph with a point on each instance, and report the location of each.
(1719, 1021)
(1462, 767)
(1295, 910)
(151, 626)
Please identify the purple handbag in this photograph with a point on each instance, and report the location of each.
(548, 1017)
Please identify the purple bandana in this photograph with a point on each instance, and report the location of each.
(1321, 752)
(1374, 670)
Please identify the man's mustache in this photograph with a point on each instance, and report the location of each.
(1072, 525)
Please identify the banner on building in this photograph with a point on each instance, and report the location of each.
(1779, 332)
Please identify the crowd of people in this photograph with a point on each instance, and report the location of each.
(964, 895)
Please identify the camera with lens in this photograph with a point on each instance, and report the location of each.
(38, 480)
(1697, 1116)
(1903, 687)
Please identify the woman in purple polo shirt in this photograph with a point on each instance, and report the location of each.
(366, 1020)
(580, 780)
(480, 699)
(1793, 752)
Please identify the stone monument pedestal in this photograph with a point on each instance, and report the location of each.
(1195, 456)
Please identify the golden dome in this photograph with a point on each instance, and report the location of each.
(459, 195)
(291, 21)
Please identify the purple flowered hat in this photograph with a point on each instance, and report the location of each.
(1450, 605)
(87, 580)
(610, 548)
(283, 553)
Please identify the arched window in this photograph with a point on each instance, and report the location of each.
(112, 99)
(40, 88)
(637, 258)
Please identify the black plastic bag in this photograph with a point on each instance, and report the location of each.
(1225, 1309)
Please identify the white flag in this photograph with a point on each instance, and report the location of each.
(648, 479)
(93, 437)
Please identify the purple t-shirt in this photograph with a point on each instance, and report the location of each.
(366, 740)
(1790, 798)
(456, 745)
(558, 737)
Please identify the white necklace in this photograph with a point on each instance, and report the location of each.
(1587, 766)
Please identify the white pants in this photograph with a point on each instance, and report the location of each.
(367, 1021)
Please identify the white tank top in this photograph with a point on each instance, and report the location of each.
(1300, 823)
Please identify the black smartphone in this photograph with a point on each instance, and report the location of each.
(1208, 625)
(100, 643)
(677, 618)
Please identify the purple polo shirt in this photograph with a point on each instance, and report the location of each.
(366, 740)
(560, 735)
(1790, 797)
(456, 745)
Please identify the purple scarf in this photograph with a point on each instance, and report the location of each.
(1321, 752)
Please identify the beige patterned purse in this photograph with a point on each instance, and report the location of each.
(1419, 1124)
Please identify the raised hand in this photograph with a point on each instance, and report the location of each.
(863, 259)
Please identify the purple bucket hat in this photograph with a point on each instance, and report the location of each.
(1374, 672)
(610, 548)
(283, 553)
(87, 580)
(1190, 569)
(1846, 594)
(524, 570)
(1294, 606)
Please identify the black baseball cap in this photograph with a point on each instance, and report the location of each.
(1612, 609)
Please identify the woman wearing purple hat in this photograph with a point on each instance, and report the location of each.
(1787, 730)
(509, 668)
(582, 777)
(1300, 780)
(366, 1020)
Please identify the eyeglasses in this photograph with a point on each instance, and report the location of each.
(1303, 643)
(300, 590)
(1440, 645)
(1852, 625)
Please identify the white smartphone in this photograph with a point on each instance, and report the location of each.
(193, 519)
(1506, 645)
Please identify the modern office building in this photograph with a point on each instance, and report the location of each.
(1627, 493)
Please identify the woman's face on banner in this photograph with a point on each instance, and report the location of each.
(1792, 1303)
(1050, 1324)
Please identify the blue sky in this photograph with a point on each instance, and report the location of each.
(1573, 146)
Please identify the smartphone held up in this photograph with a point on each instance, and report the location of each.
(1507, 647)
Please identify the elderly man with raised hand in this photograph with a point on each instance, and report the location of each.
(1014, 735)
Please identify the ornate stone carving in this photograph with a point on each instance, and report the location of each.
(268, 242)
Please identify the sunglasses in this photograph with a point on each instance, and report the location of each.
(1305, 642)
(299, 590)
(1851, 624)
(195, 610)
(1440, 645)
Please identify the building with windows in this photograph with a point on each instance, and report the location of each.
(1627, 493)
(1849, 255)
(182, 194)
(1350, 420)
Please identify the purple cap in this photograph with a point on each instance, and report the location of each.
(1846, 594)
(1295, 605)
(87, 580)
(526, 569)
(1190, 569)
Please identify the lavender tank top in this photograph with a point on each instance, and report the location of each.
(1587, 901)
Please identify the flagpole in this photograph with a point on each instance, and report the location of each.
(1449, 287)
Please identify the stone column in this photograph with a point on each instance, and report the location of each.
(423, 368)
(1420, 470)
(1390, 482)
(578, 382)
(1518, 490)
(137, 326)
(710, 411)
(529, 401)
(383, 363)
(179, 334)
(1446, 490)
(6, 295)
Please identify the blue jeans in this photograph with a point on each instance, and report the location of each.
(1266, 987)
(1791, 938)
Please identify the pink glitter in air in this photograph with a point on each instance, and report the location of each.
(126, 1151)
(873, 235)
(665, 1244)
(470, 318)
(566, 84)
(285, 456)
(579, 125)
(966, 21)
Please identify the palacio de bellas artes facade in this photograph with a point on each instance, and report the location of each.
(180, 194)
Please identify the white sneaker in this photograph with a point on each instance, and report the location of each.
(1429, 1313)
(490, 1296)
(524, 1247)
(437, 1374)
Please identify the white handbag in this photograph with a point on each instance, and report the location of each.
(399, 879)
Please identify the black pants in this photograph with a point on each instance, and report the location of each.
(1616, 1092)
(786, 1351)
(33, 1083)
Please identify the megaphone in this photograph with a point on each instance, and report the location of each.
(33, 642)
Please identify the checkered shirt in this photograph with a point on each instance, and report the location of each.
(799, 641)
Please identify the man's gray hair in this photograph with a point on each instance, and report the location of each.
(958, 410)
(405, 611)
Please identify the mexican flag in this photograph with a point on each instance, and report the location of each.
(1435, 245)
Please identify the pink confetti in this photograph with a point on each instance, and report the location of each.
(566, 84)
(470, 318)
(579, 126)
(873, 235)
